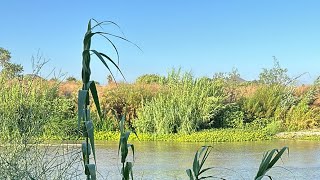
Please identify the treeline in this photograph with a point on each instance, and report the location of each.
(176, 103)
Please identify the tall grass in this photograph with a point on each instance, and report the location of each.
(303, 114)
(189, 104)
(124, 99)
(28, 105)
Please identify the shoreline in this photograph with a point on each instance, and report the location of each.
(216, 135)
(312, 134)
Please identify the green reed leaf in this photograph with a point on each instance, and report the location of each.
(128, 171)
(268, 161)
(82, 96)
(86, 151)
(94, 93)
(91, 168)
(132, 148)
(104, 55)
(189, 173)
(90, 131)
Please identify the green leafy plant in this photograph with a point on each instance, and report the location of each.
(150, 79)
(268, 161)
(198, 162)
(84, 117)
(28, 106)
(9, 69)
(188, 105)
(123, 149)
(275, 76)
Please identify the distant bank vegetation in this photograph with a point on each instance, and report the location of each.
(177, 103)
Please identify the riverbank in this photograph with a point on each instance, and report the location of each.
(217, 135)
(312, 134)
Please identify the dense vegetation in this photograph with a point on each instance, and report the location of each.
(176, 107)
(177, 103)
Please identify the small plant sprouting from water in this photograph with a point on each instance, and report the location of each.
(268, 161)
(88, 146)
(126, 169)
(198, 162)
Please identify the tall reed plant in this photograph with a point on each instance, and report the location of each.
(88, 86)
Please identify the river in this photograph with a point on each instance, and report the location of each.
(236, 160)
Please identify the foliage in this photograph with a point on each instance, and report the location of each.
(150, 79)
(263, 104)
(28, 107)
(197, 167)
(124, 98)
(268, 161)
(5, 56)
(275, 75)
(229, 116)
(9, 69)
(189, 105)
(302, 116)
(126, 170)
(217, 135)
(84, 117)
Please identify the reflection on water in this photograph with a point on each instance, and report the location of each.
(167, 160)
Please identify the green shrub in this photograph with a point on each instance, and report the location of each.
(27, 105)
(302, 116)
(263, 103)
(189, 105)
(150, 79)
(124, 99)
(230, 116)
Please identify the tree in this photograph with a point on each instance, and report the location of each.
(275, 75)
(9, 69)
(4, 56)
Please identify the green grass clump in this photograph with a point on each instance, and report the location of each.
(30, 106)
(124, 99)
(189, 105)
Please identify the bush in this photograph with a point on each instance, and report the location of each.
(189, 105)
(124, 99)
(302, 116)
(150, 79)
(263, 103)
(28, 105)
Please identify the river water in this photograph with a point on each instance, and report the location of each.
(236, 160)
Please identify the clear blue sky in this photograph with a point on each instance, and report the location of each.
(202, 36)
